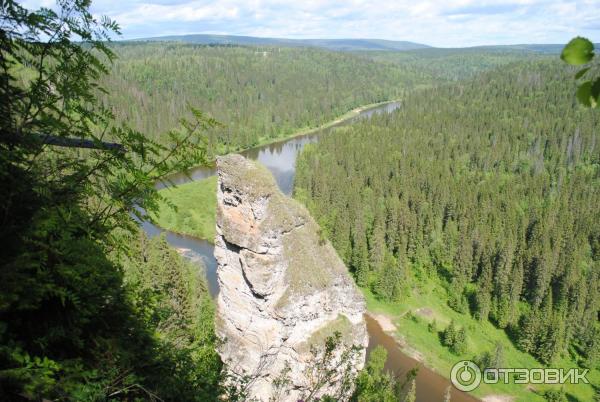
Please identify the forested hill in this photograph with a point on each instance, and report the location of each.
(461, 63)
(257, 94)
(491, 185)
(330, 44)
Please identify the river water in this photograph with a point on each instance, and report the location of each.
(280, 158)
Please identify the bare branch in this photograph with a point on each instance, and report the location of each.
(80, 143)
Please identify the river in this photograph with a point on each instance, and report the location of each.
(280, 158)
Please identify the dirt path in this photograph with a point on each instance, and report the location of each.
(498, 398)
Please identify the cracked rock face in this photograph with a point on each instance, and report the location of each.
(282, 288)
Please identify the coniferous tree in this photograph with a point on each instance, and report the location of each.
(73, 327)
(459, 346)
(483, 302)
(449, 335)
(498, 202)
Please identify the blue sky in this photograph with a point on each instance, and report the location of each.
(445, 23)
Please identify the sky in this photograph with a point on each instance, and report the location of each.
(441, 23)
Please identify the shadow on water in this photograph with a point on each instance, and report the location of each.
(280, 158)
(193, 249)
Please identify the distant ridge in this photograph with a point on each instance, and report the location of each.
(551, 48)
(348, 45)
(330, 44)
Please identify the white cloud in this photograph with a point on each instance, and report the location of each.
(196, 11)
(435, 22)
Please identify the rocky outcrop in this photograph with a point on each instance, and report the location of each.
(283, 289)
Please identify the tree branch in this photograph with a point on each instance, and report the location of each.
(80, 143)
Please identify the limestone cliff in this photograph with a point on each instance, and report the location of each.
(282, 289)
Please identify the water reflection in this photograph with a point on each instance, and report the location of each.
(280, 158)
(193, 249)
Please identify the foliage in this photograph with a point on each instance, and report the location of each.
(556, 396)
(483, 337)
(455, 339)
(411, 394)
(448, 336)
(259, 94)
(490, 185)
(580, 52)
(330, 44)
(331, 365)
(432, 326)
(172, 297)
(446, 65)
(373, 383)
(69, 329)
(492, 359)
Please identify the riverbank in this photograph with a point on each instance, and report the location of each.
(196, 201)
(425, 301)
(431, 386)
(417, 320)
(263, 141)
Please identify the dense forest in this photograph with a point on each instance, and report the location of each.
(258, 94)
(170, 297)
(457, 64)
(493, 185)
(90, 308)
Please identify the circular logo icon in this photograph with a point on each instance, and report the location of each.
(465, 375)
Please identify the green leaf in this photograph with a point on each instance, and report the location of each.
(595, 92)
(578, 51)
(584, 93)
(581, 73)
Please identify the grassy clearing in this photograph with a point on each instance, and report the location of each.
(196, 204)
(428, 302)
(195, 215)
(196, 201)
